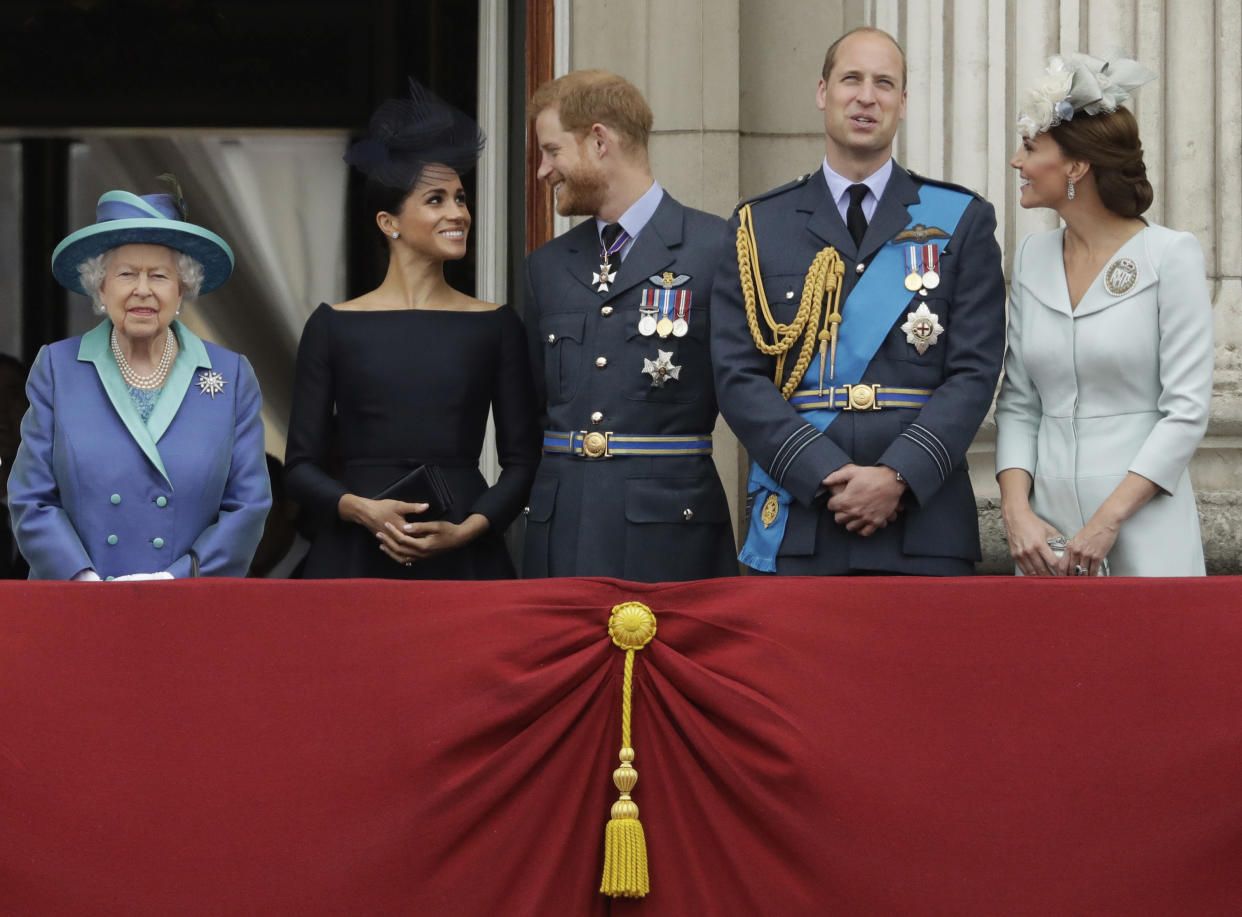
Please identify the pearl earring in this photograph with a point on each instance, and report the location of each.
(396, 235)
(1070, 190)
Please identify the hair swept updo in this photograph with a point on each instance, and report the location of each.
(1110, 143)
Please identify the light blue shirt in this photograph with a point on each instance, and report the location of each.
(638, 216)
(839, 188)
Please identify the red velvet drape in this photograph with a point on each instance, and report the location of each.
(804, 746)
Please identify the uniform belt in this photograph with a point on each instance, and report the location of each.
(860, 397)
(595, 444)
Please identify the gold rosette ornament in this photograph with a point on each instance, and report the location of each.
(632, 626)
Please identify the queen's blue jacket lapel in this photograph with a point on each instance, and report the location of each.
(95, 348)
(192, 358)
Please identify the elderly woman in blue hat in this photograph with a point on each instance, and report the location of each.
(142, 451)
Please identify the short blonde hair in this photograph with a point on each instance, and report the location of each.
(584, 97)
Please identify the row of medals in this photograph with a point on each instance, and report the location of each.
(648, 325)
(918, 281)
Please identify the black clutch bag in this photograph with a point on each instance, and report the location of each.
(425, 484)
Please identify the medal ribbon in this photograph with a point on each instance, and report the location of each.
(683, 305)
(878, 298)
(914, 263)
(616, 246)
(666, 304)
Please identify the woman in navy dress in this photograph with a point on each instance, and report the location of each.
(406, 375)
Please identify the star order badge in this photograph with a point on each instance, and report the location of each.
(210, 383)
(661, 369)
(603, 277)
(922, 328)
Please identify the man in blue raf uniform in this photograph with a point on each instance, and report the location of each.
(618, 318)
(857, 339)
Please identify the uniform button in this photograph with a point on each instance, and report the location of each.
(605, 311)
(115, 498)
(526, 510)
(551, 338)
(597, 417)
(158, 542)
(161, 502)
(859, 267)
(688, 513)
(112, 539)
(789, 294)
(601, 362)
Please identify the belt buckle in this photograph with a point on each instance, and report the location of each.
(862, 397)
(595, 444)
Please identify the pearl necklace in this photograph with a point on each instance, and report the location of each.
(153, 380)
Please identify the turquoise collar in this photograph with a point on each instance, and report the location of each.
(95, 348)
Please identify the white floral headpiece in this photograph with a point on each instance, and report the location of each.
(1079, 82)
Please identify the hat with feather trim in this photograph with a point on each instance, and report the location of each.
(122, 218)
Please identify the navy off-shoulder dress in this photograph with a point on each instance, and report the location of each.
(380, 392)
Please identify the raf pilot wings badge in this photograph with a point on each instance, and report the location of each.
(920, 234)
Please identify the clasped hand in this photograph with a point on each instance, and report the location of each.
(407, 542)
(864, 498)
(1028, 537)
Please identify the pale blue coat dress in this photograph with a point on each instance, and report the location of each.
(1120, 384)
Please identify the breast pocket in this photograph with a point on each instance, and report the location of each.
(562, 353)
(671, 369)
(784, 295)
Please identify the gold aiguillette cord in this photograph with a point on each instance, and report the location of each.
(824, 276)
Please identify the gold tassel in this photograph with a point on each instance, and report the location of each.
(632, 626)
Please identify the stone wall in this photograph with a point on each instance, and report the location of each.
(732, 84)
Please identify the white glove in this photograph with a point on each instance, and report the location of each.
(134, 577)
(85, 576)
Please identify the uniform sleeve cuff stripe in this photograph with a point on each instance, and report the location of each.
(915, 438)
(934, 440)
(786, 454)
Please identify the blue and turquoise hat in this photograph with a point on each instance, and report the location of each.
(122, 218)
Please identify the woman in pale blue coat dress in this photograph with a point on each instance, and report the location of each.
(142, 450)
(1108, 374)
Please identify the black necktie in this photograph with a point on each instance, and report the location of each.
(610, 234)
(855, 219)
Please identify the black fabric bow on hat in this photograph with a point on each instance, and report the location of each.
(406, 136)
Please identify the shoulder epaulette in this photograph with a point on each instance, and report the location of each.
(940, 183)
(779, 189)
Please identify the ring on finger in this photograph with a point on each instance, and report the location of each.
(1080, 570)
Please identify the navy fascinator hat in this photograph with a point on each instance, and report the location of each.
(406, 136)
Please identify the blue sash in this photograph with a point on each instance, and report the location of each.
(877, 299)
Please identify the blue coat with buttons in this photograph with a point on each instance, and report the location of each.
(93, 487)
(634, 517)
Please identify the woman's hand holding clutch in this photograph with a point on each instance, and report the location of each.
(1030, 542)
(374, 515)
(408, 542)
(1085, 553)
